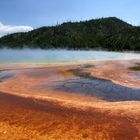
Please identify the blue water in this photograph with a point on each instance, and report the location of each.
(58, 56)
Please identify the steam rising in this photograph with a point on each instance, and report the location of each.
(59, 56)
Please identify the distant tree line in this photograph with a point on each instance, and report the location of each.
(106, 33)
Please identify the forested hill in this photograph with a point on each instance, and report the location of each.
(105, 33)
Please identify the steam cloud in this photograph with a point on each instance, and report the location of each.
(8, 29)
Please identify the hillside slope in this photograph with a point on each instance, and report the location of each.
(105, 33)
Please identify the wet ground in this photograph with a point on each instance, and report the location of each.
(98, 100)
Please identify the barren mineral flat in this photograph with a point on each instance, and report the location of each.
(96, 100)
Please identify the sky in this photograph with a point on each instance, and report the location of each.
(25, 15)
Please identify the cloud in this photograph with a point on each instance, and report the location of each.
(8, 29)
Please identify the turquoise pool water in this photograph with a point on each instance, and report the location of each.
(59, 56)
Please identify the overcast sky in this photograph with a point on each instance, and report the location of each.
(24, 15)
